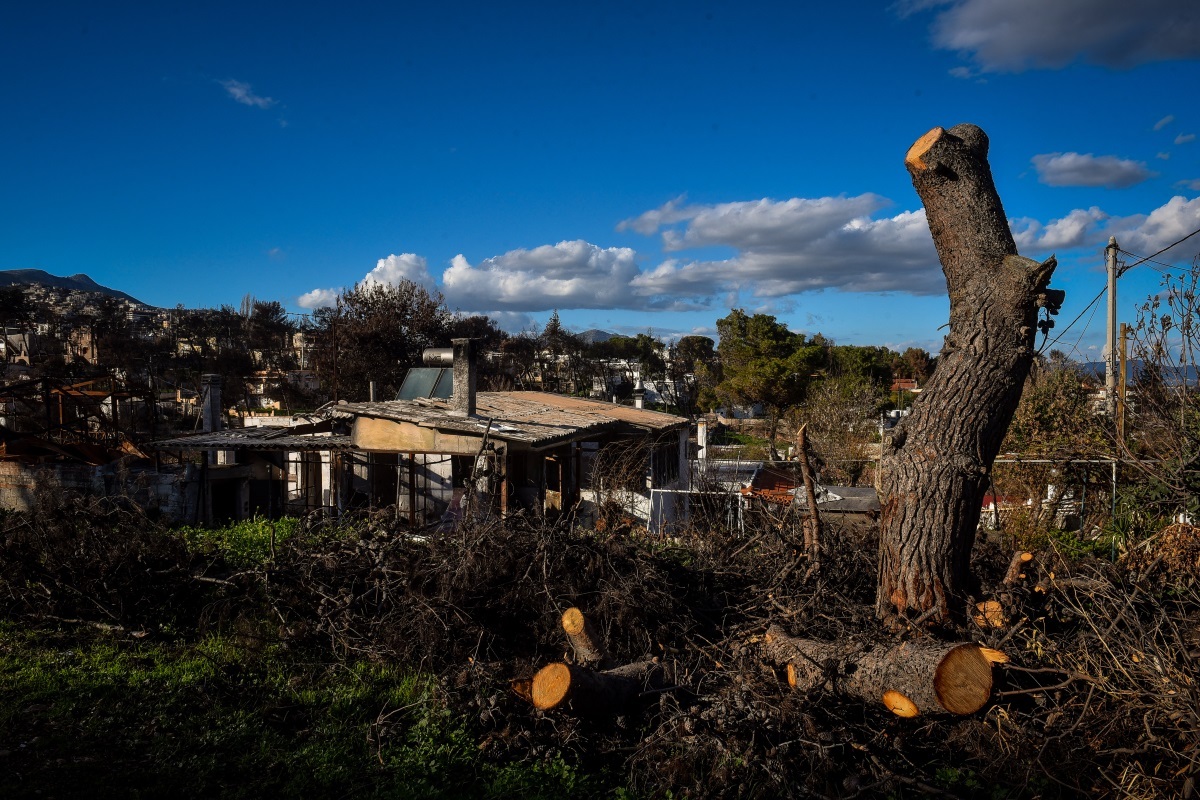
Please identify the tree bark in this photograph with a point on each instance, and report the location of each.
(937, 464)
(911, 678)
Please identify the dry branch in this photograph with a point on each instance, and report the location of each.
(812, 525)
(1016, 568)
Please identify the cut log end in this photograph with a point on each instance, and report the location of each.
(572, 621)
(523, 688)
(551, 685)
(963, 680)
(914, 159)
(994, 656)
(990, 614)
(900, 705)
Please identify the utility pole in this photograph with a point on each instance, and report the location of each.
(1122, 384)
(1110, 358)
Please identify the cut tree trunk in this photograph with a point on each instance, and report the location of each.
(585, 642)
(584, 691)
(937, 464)
(916, 677)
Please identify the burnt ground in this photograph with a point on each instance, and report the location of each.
(1099, 698)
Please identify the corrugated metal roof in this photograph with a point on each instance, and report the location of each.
(534, 418)
(263, 439)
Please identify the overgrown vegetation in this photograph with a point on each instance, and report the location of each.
(356, 660)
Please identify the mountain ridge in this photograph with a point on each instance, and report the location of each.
(79, 282)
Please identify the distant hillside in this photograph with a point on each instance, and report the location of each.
(1172, 375)
(593, 335)
(80, 282)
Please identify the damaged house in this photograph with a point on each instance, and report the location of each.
(442, 450)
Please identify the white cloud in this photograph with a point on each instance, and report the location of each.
(668, 213)
(1164, 122)
(1148, 233)
(1015, 35)
(318, 298)
(510, 321)
(404, 267)
(244, 94)
(574, 274)
(1184, 138)
(797, 245)
(1073, 230)
(1165, 156)
(1085, 169)
(1194, 184)
(391, 270)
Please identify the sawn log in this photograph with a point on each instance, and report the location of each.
(911, 678)
(587, 692)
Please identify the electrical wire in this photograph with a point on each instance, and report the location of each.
(1063, 333)
(1088, 324)
(1128, 267)
(1149, 261)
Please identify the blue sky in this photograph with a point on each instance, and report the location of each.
(635, 166)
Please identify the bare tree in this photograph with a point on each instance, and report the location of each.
(936, 468)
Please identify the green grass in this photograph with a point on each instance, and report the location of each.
(102, 717)
(242, 544)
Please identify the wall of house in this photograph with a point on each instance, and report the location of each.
(170, 493)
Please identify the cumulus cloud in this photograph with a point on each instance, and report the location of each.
(1074, 230)
(797, 245)
(318, 298)
(1016, 35)
(243, 93)
(404, 267)
(1194, 185)
(1085, 169)
(391, 270)
(574, 274)
(1184, 138)
(1148, 233)
(1164, 122)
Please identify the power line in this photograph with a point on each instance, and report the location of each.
(1149, 261)
(1072, 322)
(1088, 324)
(1128, 267)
